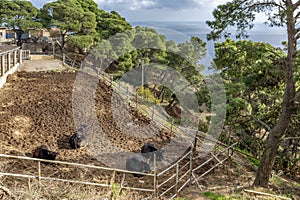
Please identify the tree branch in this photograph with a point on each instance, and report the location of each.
(296, 5)
(297, 35)
(261, 122)
(270, 4)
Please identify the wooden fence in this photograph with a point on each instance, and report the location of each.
(9, 60)
(38, 174)
(26, 54)
(68, 61)
(168, 182)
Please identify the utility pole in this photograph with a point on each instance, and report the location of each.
(142, 73)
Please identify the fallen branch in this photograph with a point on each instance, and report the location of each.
(218, 187)
(267, 194)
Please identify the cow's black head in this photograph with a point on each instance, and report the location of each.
(52, 155)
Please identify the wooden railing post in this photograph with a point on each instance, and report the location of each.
(152, 115)
(191, 165)
(172, 126)
(112, 182)
(195, 144)
(177, 179)
(39, 171)
(8, 62)
(113, 179)
(20, 56)
(64, 58)
(136, 100)
(155, 179)
(111, 80)
(15, 57)
(2, 65)
(127, 94)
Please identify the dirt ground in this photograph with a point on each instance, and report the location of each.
(36, 108)
(41, 65)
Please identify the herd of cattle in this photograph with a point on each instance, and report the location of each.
(136, 163)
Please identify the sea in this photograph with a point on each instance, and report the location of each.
(181, 31)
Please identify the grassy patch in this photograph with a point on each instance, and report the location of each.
(147, 94)
(214, 196)
(276, 180)
(253, 160)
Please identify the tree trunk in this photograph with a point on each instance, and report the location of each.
(162, 94)
(155, 85)
(267, 162)
(63, 39)
(19, 35)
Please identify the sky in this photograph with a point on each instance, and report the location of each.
(156, 10)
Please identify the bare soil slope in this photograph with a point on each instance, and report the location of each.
(36, 108)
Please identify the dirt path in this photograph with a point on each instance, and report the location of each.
(41, 65)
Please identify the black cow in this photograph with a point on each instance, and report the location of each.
(137, 164)
(78, 139)
(148, 151)
(43, 152)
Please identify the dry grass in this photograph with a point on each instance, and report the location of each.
(32, 190)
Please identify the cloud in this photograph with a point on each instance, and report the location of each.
(154, 4)
(156, 10)
(125, 4)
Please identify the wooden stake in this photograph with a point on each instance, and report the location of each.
(155, 178)
(39, 171)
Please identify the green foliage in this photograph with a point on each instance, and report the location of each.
(214, 196)
(115, 190)
(241, 14)
(82, 18)
(147, 94)
(145, 45)
(254, 161)
(71, 18)
(254, 79)
(18, 15)
(203, 126)
(263, 88)
(81, 41)
(109, 24)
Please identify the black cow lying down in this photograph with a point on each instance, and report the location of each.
(148, 151)
(43, 152)
(137, 164)
(78, 139)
